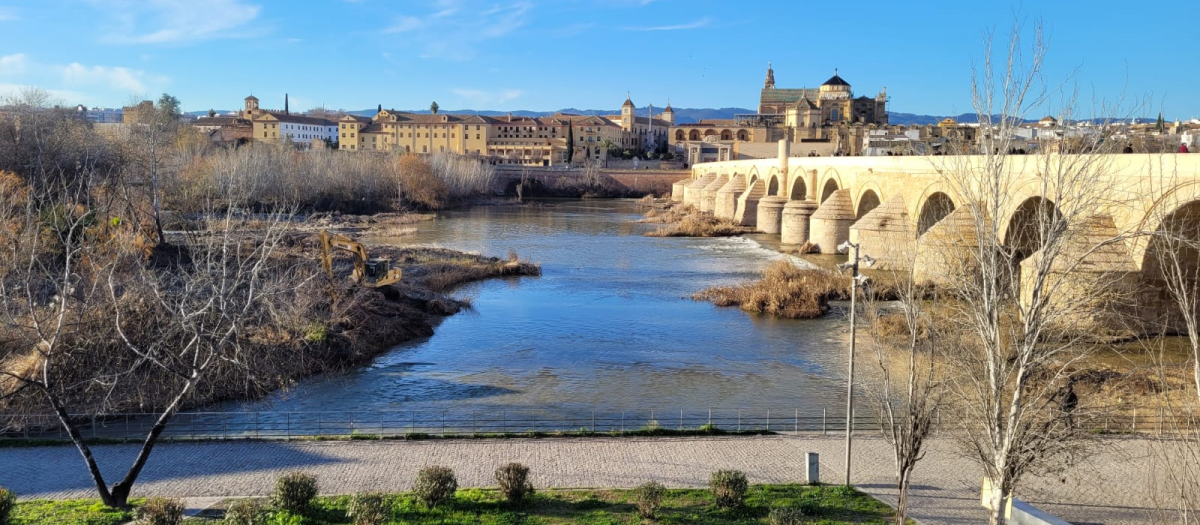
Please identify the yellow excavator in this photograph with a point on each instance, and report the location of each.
(378, 270)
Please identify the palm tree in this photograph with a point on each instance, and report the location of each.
(608, 145)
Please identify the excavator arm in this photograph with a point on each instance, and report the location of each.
(363, 264)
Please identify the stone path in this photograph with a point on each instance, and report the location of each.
(1103, 490)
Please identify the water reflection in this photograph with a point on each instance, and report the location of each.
(609, 324)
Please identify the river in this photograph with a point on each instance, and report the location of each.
(609, 325)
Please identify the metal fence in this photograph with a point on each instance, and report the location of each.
(473, 422)
(450, 422)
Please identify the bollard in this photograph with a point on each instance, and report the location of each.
(814, 469)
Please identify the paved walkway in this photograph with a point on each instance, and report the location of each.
(1103, 490)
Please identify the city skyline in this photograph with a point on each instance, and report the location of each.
(530, 55)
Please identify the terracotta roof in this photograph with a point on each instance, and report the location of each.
(220, 121)
(300, 119)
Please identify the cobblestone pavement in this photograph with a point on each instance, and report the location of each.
(1105, 489)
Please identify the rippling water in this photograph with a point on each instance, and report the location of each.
(608, 325)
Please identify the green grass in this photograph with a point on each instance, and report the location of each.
(829, 505)
(68, 512)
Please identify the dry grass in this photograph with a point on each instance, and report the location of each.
(785, 290)
(441, 270)
(699, 225)
(669, 214)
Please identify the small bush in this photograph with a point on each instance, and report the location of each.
(245, 512)
(435, 485)
(786, 516)
(294, 491)
(160, 511)
(514, 482)
(728, 488)
(370, 508)
(649, 498)
(8, 502)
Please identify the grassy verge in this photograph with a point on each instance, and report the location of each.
(825, 505)
(68, 512)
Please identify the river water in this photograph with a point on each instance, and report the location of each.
(609, 325)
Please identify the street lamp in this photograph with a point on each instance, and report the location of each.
(856, 280)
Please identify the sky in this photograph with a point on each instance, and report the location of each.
(548, 55)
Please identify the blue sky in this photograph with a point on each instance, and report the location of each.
(531, 54)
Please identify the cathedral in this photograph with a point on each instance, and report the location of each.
(831, 104)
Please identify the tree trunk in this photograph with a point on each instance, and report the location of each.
(84, 450)
(121, 489)
(902, 500)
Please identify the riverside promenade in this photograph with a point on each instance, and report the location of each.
(1109, 487)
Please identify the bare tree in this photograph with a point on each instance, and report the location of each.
(906, 390)
(150, 150)
(88, 319)
(1027, 290)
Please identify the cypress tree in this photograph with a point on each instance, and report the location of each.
(570, 142)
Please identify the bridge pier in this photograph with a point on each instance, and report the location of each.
(678, 188)
(886, 234)
(693, 191)
(746, 213)
(795, 224)
(708, 195)
(947, 251)
(830, 225)
(726, 202)
(770, 214)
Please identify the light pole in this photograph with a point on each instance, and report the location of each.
(856, 280)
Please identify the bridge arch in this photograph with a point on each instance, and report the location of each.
(830, 182)
(933, 208)
(1028, 226)
(773, 182)
(1172, 261)
(1157, 211)
(753, 176)
(867, 201)
(799, 190)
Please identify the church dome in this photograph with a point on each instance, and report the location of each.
(835, 80)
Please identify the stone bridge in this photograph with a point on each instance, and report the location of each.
(892, 204)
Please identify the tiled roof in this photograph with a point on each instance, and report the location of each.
(787, 95)
(300, 119)
(835, 80)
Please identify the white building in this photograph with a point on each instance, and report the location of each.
(101, 115)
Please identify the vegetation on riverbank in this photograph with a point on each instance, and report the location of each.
(786, 290)
(828, 505)
(684, 220)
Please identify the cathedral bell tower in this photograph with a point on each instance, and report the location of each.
(770, 82)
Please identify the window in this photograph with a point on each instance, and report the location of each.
(424, 149)
(476, 135)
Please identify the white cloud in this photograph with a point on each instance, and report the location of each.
(703, 22)
(453, 29)
(117, 78)
(479, 97)
(8, 14)
(13, 65)
(175, 21)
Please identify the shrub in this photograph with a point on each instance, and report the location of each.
(294, 491)
(369, 508)
(514, 482)
(786, 516)
(649, 498)
(728, 488)
(245, 512)
(161, 511)
(435, 485)
(8, 502)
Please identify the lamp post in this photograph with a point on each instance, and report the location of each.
(856, 280)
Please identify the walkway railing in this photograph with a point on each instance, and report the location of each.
(450, 422)
(467, 422)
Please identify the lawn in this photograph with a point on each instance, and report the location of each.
(826, 505)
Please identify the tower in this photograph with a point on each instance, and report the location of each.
(770, 82)
(251, 108)
(627, 110)
(668, 113)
